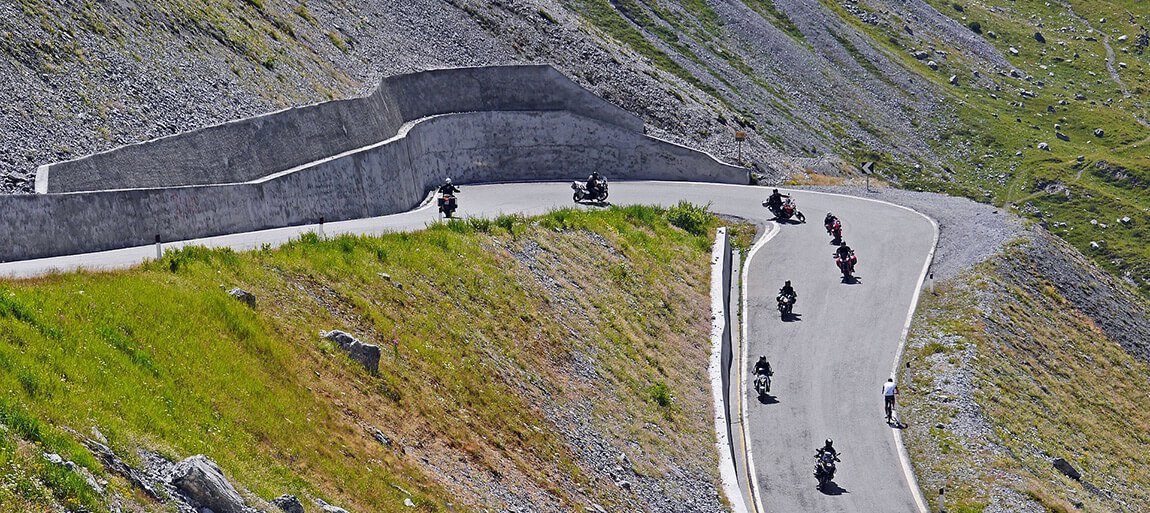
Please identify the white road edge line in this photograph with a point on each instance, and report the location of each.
(749, 460)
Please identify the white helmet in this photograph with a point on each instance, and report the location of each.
(447, 180)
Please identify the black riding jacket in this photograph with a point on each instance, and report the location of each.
(844, 252)
(448, 188)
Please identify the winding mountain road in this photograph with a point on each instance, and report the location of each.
(829, 365)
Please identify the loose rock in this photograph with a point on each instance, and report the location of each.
(201, 480)
(328, 508)
(1066, 468)
(288, 503)
(247, 297)
(365, 354)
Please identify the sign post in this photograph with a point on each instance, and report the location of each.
(867, 169)
(739, 137)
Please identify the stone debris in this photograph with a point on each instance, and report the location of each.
(328, 508)
(242, 295)
(288, 503)
(201, 480)
(365, 354)
(1066, 468)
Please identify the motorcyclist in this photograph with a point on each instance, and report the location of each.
(448, 189)
(829, 221)
(844, 252)
(775, 201)
(827, 448)
(763, 366)
(594, 183)
(789, 292)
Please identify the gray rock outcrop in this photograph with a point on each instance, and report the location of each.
(1066, 468)
(288, 503)
(365, 354)
(328, 508)
(246, 297)
(201, 480)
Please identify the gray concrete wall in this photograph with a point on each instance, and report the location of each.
(248, 149)
(386, 177)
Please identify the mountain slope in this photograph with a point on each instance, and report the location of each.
(544, 364)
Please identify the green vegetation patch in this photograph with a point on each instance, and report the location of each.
(479, 320)
(1046, 380)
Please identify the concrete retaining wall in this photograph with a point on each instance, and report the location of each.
(248, 149)
(719, 367)
(387, 177)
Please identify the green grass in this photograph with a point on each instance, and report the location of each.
(160, 357)
(1047, 381)
(980, 147)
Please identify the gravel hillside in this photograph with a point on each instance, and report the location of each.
(807, 85)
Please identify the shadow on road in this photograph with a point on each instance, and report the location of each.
(896, 424)
(768, 399)
(853, 280)
(787, 221)
(792, 317)
(595, 203)
(834, 489)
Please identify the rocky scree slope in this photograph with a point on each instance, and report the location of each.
(516, 384)
(805, 84)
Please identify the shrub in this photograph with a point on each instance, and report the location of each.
(975, 27)
(660, 394)
(693, 219)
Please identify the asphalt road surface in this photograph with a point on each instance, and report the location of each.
(829, 362)
(831, 357)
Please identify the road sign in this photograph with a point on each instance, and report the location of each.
(740, 135)
(867, 168)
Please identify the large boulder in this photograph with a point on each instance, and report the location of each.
(201, 480)
(328, 508)
(1066, 468)
(242, 295)
(365, 354)
(288, 503)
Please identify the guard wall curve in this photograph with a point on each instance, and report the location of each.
(247, 149)
(383, 178)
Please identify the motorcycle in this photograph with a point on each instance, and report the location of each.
(835, 230)
(763, 384)
(785, 304)
(583, 193)
(788, 210)
(846, 265)
(447, 205)
(825, 468)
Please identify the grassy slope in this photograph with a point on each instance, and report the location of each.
(1048, 381)
(160, 357)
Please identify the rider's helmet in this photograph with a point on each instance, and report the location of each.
(774, 191)
(843, 243)
(787, 284)
(830, 215)
(830, 444)
(447, 180)
(763, 358)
